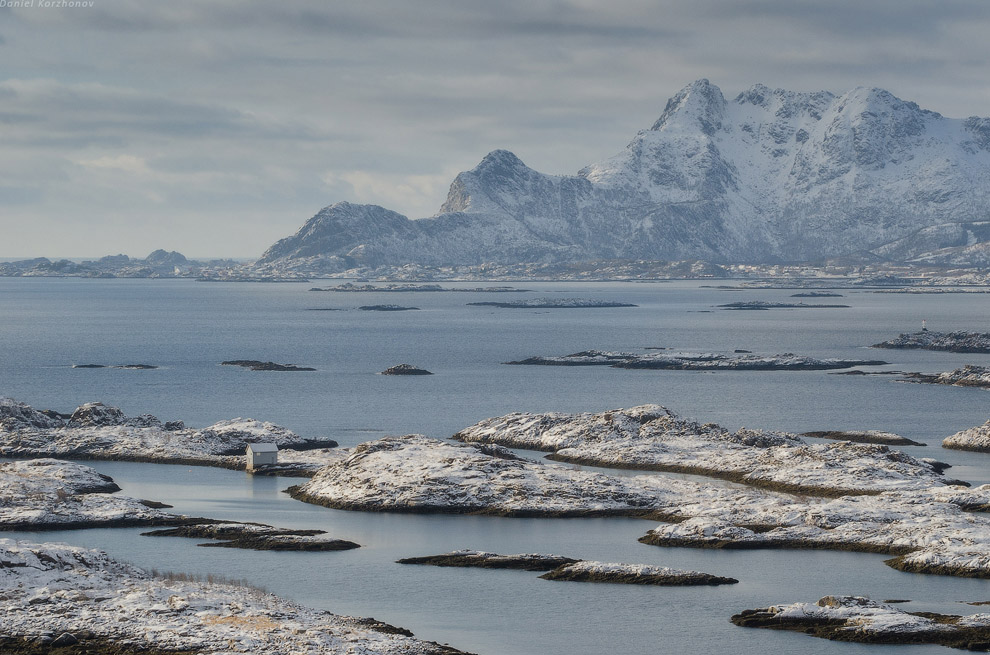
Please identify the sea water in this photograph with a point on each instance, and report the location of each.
(187, 328)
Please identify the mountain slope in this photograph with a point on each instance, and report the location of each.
(772, 175)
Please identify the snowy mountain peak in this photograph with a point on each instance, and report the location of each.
(699, 104)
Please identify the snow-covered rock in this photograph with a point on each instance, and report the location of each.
(50, 494)
(967, 376)
(588, 571)
(651, 437)
(957, 342)
(98, 431)
(975, 439)
(52, 589)
(15, 415)
(417, 474)
(859, 619)
(689, 361)
(769, 175)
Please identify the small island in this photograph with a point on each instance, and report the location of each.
(686, 361)
(552, 303)
(405, 369)
(386, 308)
(761, 305)
(956, 342)
(816, 294)
(98, 431)
(967, 376)
(975, 439)
(350, 287)
(484, 560)
(861, 620)
(258, 365)
(641, 574)
(256, 536)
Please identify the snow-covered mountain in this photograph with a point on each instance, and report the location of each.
(772, 175)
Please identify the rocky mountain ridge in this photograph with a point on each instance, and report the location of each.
(770, 176)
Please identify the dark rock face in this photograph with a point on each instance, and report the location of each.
(255, 537)
(483, 560)
(96, 414)
(386, 308)
(405, 369)
(15, 415)
(818, 165)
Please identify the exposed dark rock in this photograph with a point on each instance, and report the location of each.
(553, 303)
(255, 536)
(386, 308)
(257, 365)
(405, 369)
(864, 436)
(485, 560)
(760, 305)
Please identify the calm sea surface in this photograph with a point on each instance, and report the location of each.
(187, 328)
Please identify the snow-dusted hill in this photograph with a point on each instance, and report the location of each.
(772, 175)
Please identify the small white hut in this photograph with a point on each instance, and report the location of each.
(261, 454)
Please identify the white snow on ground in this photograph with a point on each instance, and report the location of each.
(97, 431)
(867, 616)
(414, 473)
(653, 437)
(50, 589)
(47, 493)
(607, 568)
(976, 438)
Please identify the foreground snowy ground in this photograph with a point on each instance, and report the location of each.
(651, 437)
(54, 592)
(934, 529)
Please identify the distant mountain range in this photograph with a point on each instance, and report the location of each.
(770, 176)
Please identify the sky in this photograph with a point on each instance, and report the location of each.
(216, 127)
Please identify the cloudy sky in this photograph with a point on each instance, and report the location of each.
(215, 127)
